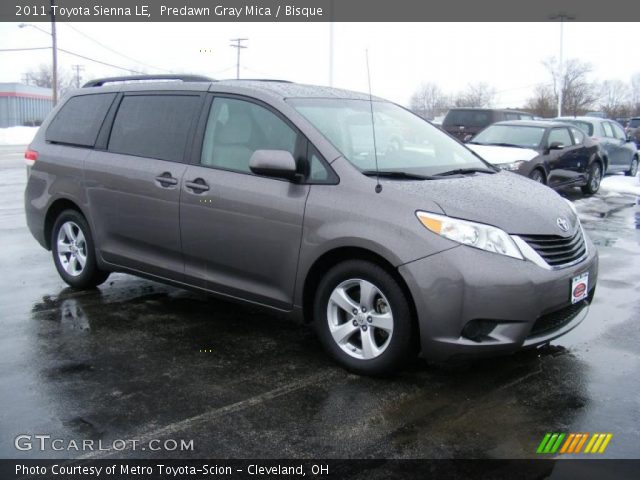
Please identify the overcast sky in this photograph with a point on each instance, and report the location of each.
(402, 55)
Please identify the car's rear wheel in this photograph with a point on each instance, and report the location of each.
(594, 178)
(537, 176)
(633, 168)
(363, 318)
(74, 251)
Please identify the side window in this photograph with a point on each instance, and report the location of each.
(154, 126)
(79, 120)
(511, 116)
(608, 132)
(318, 171)
(578, 136)
(559, 135)
(618, 132)
(237, 128)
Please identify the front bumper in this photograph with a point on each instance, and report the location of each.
(461, 285)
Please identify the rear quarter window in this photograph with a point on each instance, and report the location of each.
(79, 120)
(468, 118)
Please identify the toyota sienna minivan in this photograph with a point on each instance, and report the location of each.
(391, 243)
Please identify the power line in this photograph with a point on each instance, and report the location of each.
(100, 62)
(114, 51)
(23, 49)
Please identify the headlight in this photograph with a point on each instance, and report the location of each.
(477, 235)
(511, 166)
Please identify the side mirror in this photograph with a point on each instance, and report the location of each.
(467, 138)
(556, 146)
(273, 163)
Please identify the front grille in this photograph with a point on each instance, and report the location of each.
(556, 320)
(556, 250)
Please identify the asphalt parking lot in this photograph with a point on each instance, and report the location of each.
(138, 360)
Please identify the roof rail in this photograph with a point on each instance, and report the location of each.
(99, 82)
(274, 80)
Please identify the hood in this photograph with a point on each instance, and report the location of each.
(504, 199)
(497, 155)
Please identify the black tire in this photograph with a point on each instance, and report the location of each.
(594, 178)
(400, 344)
(633, 168)
(88, 276)
(537, 176)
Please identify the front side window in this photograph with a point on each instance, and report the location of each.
(618, 132)
(510, 135)
(237, 128)
(586, 127)
(403, 141)
(608, 131)
(153, 126)
(578, 136)
(560, 136)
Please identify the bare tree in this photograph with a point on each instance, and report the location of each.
(429, 101)
(578, 93)
(543, 102)
(42, 76)
(635, 94)
(614, 98)
(476, 95)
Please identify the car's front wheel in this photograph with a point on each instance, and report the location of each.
(633, 168)
(537, 176)
(594, 178)
(363, 318)
(74, 252)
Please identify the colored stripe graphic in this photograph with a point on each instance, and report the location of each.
(573, 442)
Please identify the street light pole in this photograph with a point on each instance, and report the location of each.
(54, 44)
(562, 17)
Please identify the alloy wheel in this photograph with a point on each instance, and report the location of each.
(360, 319)
(71, 248)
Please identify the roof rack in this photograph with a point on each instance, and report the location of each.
(99, 82)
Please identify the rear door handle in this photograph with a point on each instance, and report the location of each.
(166, 180)
(198, 185)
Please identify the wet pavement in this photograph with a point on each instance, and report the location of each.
(137, 360)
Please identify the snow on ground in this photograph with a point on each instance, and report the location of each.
(17, 135)
(621, 184)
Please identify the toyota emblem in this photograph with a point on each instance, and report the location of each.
(563, 224)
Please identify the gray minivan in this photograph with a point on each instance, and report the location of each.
(273, 193)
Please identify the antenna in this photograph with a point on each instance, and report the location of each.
(373, 127)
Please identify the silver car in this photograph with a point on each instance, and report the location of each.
(274, 193)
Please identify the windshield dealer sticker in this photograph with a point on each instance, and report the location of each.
(579, 287)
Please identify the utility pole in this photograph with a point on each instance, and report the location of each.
(562, 17)
(238, 45)
(54, 44)
(78, 69)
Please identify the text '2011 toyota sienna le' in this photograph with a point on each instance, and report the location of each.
(281, 195)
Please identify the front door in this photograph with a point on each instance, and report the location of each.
(241, 232)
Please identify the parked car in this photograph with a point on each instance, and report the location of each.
(464, 123)
(633, 130)
(553, 153)
(253, 191)
(620, 153)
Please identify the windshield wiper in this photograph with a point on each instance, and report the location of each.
(500, 144)
(462, 171)
(397, 174)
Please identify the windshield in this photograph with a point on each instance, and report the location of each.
(404, 141)
(516, 135)
(584, 126)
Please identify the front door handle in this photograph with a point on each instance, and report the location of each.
(166, 180)
(198, 185)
